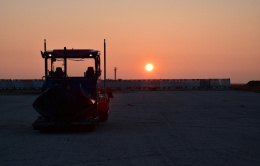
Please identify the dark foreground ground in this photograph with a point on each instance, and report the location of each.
(145, 128)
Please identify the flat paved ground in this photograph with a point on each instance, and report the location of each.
(145, 128)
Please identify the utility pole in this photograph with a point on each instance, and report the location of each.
(105, 66)
(115, 73)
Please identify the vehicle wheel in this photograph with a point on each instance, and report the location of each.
(45, 130)
(92, 127)
(104, 117)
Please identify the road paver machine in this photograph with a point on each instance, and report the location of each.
(71, 102)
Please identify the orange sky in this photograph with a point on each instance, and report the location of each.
(182, 39)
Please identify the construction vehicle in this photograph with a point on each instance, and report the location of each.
(71, 102)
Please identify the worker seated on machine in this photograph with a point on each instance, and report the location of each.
(89, 73)
(59, 72)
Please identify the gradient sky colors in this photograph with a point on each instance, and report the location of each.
(182, 39)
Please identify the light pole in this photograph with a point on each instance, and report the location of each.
(115, 73)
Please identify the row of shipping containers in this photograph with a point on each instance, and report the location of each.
(21, 83)
(168, 84)
(154, 84)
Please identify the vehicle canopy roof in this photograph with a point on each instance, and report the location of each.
(71, 53)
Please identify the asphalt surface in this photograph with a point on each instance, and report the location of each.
(145, 128)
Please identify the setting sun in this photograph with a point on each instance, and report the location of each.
(149, 67)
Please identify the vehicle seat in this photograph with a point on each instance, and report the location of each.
(59, 72)
(90, 72)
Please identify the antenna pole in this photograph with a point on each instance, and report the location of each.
(44, 45)
(46, 61)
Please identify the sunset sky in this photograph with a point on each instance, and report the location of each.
(181, 38)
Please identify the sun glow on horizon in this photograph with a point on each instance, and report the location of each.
(149, 67)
